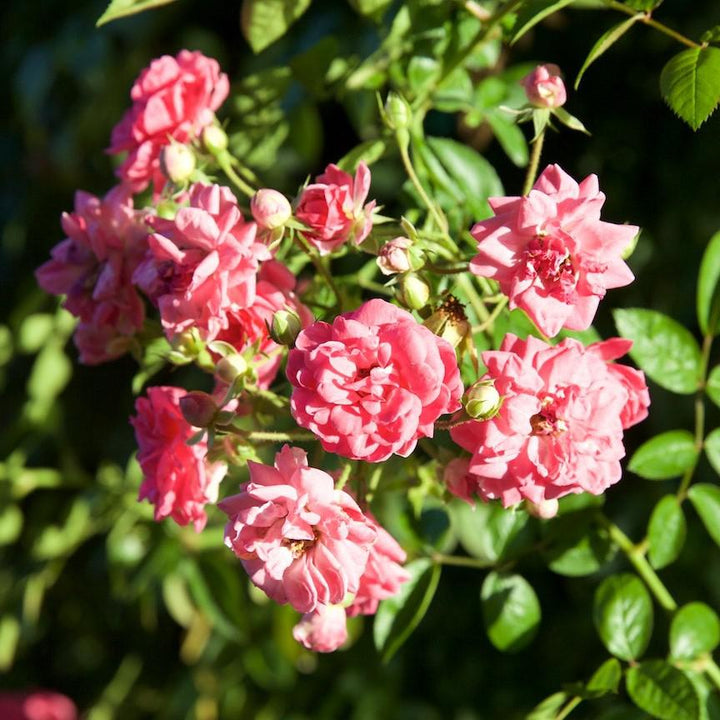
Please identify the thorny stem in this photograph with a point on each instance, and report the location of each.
(534, 162)
(647, 19)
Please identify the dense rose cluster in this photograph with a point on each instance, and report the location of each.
(373, 382)
(560, 427)
(550, 252)
(93, 268)
(178, 479)
(173, 100)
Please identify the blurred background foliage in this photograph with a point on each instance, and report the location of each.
(133, 619)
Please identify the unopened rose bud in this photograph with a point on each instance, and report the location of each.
(544, 87)
(544, 510)
(399, 256)
(215, 139)
(397, 112)
(188, 343)
(270, 208)
(177, 163)
(198, 408)
(482, 401)
(413, 291)
(285, 328)
(230, 368)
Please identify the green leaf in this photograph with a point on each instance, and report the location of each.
(708, 295)
(510, 137)
(549, 707)
(712, 388)
(398, 616)
(368, 152)
(421, 72)
(489, 531)
(533, 12)
(121, 8)
(706, 501)
(605, 679)
(265, 21)
(690, 84)
(605, 42)
(575, 545)
(511, 611)
(666, 532)
(712, 35)
(663, 691)
(643, 5)
(664, 349)
(371, 8)
(623, 616)
(695, 629)
(665, 456)
(712, 449)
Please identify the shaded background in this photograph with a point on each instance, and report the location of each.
(94, 622)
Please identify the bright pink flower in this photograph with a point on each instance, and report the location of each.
(332, 207)
(178, 478)
(93, 268)
(249, 326)
(383, 574)
(202, 264)
(322, 630)
(544, 87)
(38, 705)
(560, 427)
(372, 383)
(300, 540)
(173, 100)
(550, 252)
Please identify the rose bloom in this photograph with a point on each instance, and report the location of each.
(550, 252)
(332, 207)
(301, 541)
(560, 427)
(202, 264)
(544, 87)
(178, 478)
(249, 326)
(93, 268)
(173, 100)
(373, 382)
(322, 630)
(37, 705)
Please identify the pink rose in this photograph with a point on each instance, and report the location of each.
(550, 252)
(560, 427)
(270, 209)
(300, 540)
(173, 100)
(373, 382)
(332, 207)
(38, 705)
(93, 268)
(202, 264)
(544, 87)
(249, 326)
(383, 574)
(322, 630)
(178, 478)
(394, 256)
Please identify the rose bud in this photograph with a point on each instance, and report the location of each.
(198, 408)
(270, 208)
(177, 163)
(482, 401)
(544, 87)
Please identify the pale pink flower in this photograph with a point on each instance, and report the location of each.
(322, 630)
(202, 264)
(394, 256)
(383, 574)
(458, 480)
(373, 382)
(332, 207)
(544, 86)
(550, 252)
(300, 540)
(173, 100)
(270, 209)
(37, 705)
(93, 268)
(178, 478)
(560, 427)
(249, 326)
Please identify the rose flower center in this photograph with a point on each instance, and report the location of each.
(549, 259)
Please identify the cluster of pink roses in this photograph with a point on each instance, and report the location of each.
(369, 384)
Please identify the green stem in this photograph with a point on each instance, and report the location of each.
(460, 561)
(647, 19)
(534, 162)
(635, 554)
(569, 707)
(465, 284)
(270, 436)
(224, 160)
(488, 324)
(342, 480)
(317, 261)
(712, 670)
